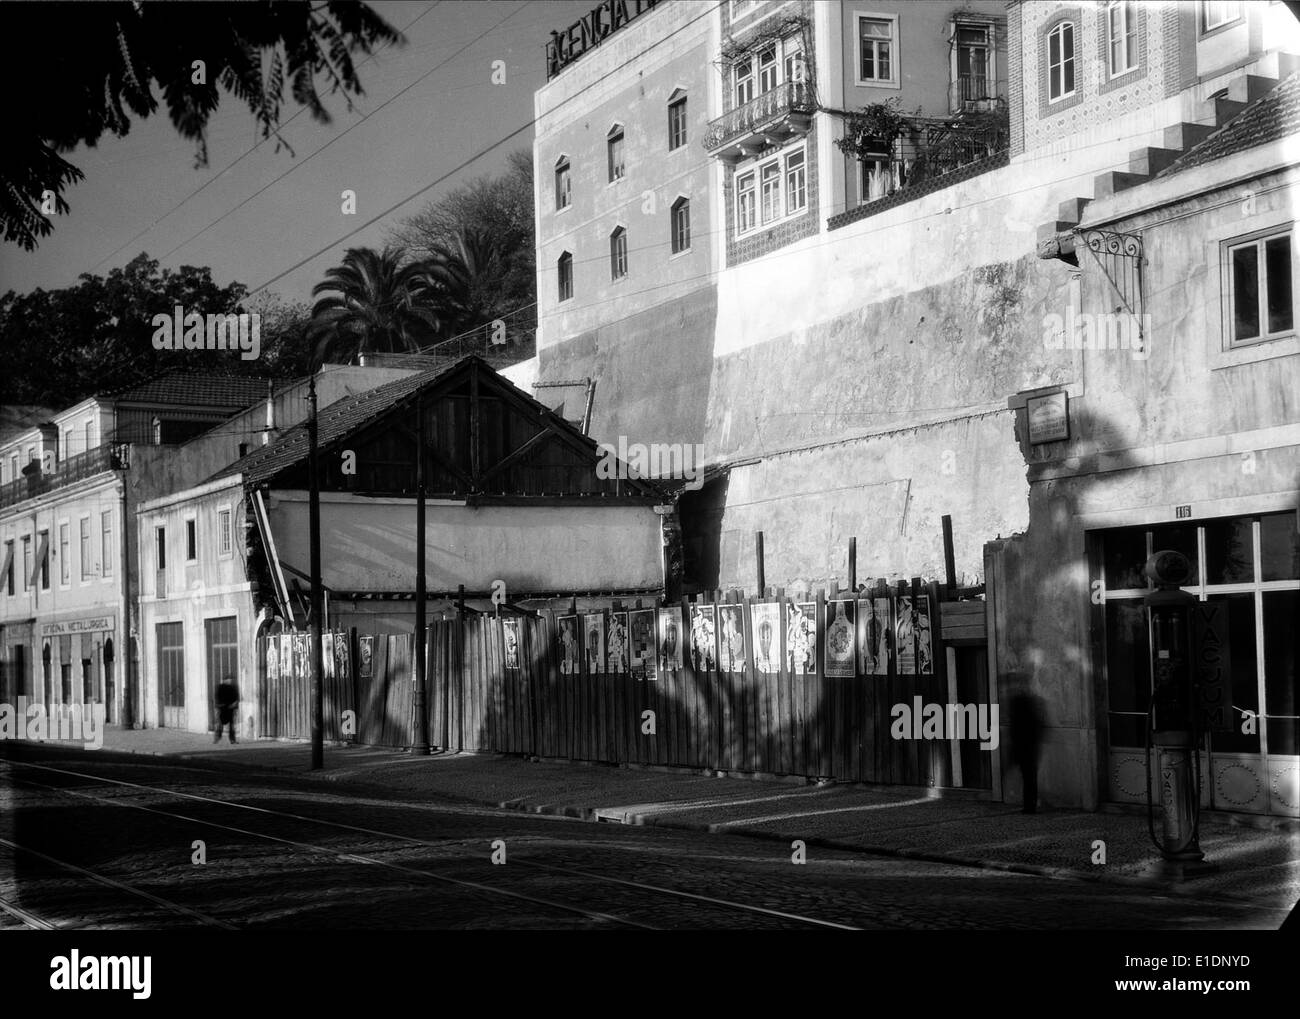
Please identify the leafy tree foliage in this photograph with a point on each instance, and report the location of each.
(61, 346)
(380, 301)
(481, 234)
(103, 62)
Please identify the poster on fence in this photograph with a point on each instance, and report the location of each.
(913, 636)
(569, 646)
(302, 654)
(703, 639)
(286, 655)
(341, 655)
(594, 628)
(801, 639)
(731, 638)
(272, 660)
(840, 639)
(764, 627)
(326, 656)
(873, 636)
(641, 658)
(616, 645)
(510, 637)
(670, 642)
(366, 648)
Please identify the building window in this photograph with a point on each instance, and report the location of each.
(106, 542)
(876, 50)
(160, 546)
(86, 569)
(9, 567)
(225, 537)
(677, 122)
(615, 147)
(65, 554)
(27, 562)
(1216, 14)
(973, 63)
(745, 203)
(743, 8)
(563, 184)
(565, 272)
(191, 541)
(1260, 287)
(782, 191)
(743, 77)
(767, 76)
(1060, 61)
(796, 192)
(794, 63)
(681, 225)
(618, 253)
(90, 435)
(43, 552)
(1121, 24)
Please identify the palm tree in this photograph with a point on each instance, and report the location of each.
(469, 270)
(379, 301)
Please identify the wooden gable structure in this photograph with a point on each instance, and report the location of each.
(485, 441)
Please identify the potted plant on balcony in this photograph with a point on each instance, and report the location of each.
(870, 133)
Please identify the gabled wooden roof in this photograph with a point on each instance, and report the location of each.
(524, 450)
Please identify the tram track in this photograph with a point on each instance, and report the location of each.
(622, 891)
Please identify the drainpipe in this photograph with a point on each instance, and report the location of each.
(131, 641)
(270, 413)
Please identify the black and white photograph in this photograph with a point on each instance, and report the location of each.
(555, 466)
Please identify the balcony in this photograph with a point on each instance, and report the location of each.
(976, 93)
(109, 457)
(771, 119)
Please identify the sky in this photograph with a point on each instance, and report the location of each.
(142, 183)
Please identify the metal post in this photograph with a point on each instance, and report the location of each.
(420, 739)
(949, 559)
(315, 628)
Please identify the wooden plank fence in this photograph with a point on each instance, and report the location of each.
(744, 686)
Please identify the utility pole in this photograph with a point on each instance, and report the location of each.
(314, 628)
(420, 739)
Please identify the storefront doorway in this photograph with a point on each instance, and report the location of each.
(1251, 566)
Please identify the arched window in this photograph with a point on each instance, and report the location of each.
(565, 271)
(1060, 61)
(563, 184)
(618, 253)
(681, 224)
(676, 120)
(615, 147)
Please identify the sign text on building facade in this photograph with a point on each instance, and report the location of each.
(89, 625)
(590, 30)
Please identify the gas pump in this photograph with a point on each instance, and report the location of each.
(1173, 724)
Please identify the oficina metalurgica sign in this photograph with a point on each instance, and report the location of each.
(590, 30)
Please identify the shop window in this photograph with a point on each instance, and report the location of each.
(1279, 546)
(1229, 551)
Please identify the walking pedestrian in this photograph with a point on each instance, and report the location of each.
(227, 699)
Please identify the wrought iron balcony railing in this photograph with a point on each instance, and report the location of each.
(109, 457)
(971, 92)
(771, 118)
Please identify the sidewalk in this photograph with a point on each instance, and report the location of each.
(1259, 864)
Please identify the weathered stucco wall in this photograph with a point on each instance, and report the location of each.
(531, 548)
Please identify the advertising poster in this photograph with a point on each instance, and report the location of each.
(616, 645)
(670, 642)
(765, 622)
(510, 635)
(731, 638)
(873, 636)
(365, 648)
(594, 642)
(703, 639)
(641, 657)
(341, 655)
(801, 639)
(840, 639)
(273, 659)
(302, 654)
(913, 636)
(569, 645)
